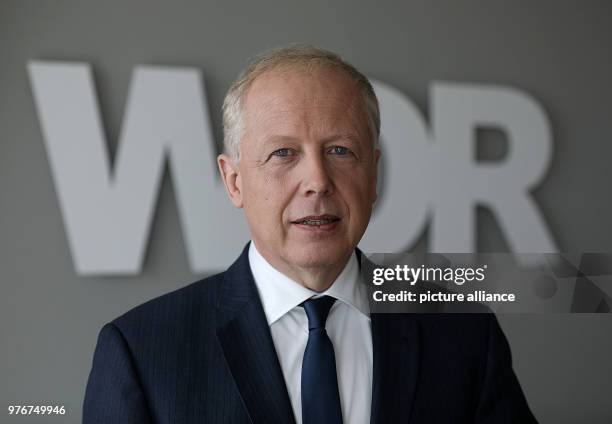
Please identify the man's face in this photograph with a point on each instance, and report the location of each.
(306, 177)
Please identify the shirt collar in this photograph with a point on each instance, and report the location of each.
(279, 293)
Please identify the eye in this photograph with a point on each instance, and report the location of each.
(340, 150)
(284, 152)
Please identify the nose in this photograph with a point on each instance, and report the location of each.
(316, 178)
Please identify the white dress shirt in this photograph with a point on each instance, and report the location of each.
(348, 327)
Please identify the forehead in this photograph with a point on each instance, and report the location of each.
(289, 96)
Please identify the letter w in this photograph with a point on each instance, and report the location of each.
(107, 215)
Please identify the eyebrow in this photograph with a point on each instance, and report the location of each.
(279, 139)
(343, 136)
(286, 138)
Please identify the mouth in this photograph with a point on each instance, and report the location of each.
(319, 225)
(316, 220)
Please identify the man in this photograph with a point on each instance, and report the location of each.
(285, 334)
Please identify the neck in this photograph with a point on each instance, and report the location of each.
(316, 278)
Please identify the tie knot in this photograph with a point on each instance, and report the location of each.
(317, 310)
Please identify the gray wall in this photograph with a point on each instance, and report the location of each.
(560, 52)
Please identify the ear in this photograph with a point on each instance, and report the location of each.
(230, 174)
(376, 161)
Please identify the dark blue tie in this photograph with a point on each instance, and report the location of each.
(320, 396)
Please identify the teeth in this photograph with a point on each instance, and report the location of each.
(316, 221)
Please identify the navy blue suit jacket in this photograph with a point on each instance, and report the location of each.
(204, 354)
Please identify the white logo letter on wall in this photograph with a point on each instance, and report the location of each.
(457, 111)
(107, 213)
(435, 174)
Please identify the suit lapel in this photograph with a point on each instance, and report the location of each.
(244, 336)
(395, 339)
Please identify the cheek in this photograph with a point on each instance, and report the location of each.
(269, 194)
(358, 195)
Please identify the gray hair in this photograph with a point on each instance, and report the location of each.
(299, 56)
